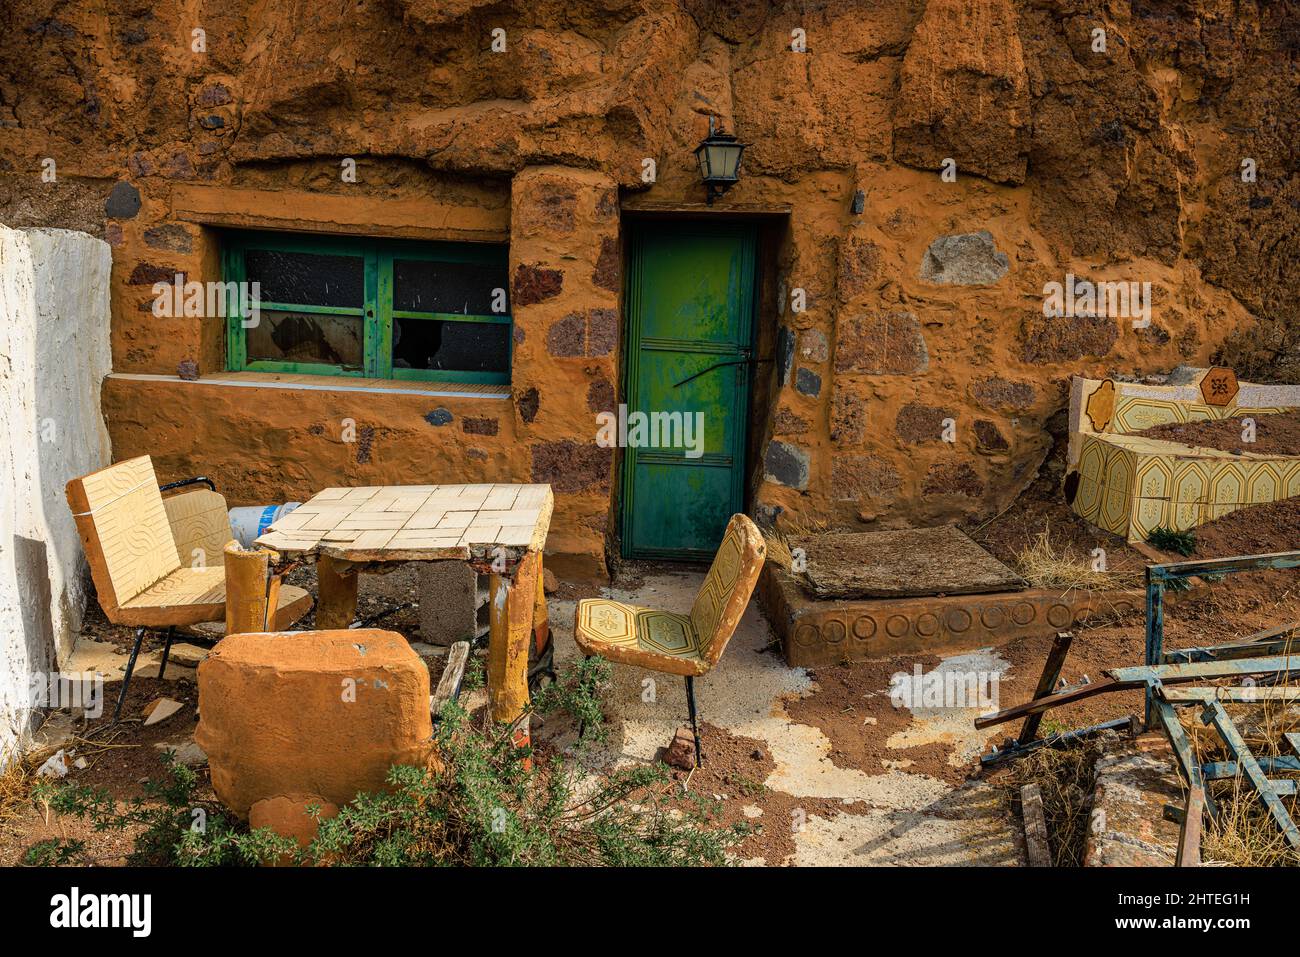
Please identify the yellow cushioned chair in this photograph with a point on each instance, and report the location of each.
(158, 563)
(678, 644)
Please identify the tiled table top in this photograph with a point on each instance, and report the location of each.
(415, 522)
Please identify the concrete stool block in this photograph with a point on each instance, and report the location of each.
(315, 715)
(449, 601)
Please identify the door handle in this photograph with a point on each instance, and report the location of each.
(744, 360)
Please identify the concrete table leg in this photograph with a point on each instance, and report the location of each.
(512, 603)
(246, 593)
(337, 606)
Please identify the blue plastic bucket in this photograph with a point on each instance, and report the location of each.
(248, 522)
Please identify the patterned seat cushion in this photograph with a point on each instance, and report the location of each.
(660, 640)
(191, 596)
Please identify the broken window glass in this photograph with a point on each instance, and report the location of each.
(303, 337)
(433, 344)
(464, 288)
(332, 305)
(306, 279)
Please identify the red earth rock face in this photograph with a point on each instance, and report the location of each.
(295, 718)
(1116, 155)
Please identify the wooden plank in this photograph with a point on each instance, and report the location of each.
(1047, 682)
(1065, 696)
(449, 684)
(1037, 849)
(1189, 838)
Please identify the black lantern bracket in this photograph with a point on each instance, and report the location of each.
(719, 157)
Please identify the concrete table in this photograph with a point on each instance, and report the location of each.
(499, 530)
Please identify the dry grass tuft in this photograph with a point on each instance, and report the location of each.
(1043, 567)
(15, 790)
(1243, 833)
(1065, 778)
(778, 549)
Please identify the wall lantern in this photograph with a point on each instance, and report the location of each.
(719, 156)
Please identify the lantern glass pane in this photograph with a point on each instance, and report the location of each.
(702, 154)
(718, 161)
(730, 161)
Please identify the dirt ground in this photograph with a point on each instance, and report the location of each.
(1274, 434)
(821, 763)
(1041, 509)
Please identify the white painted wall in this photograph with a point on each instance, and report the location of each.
(54, 354)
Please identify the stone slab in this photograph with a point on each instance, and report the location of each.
(905, 562)
(815, 633)
(1134, 782)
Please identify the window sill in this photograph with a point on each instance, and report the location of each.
(326, 383)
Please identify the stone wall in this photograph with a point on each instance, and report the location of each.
(53, 357)
(931, 164)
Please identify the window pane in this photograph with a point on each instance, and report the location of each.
(464, 288)
(307, 337)
(306, 279)
(451, 346)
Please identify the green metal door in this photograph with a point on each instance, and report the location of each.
(690, 332)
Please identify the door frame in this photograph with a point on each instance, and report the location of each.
(749, 299)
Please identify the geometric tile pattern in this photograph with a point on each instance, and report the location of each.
(1135, 413)
(673, 643)
(619, 628)
(1130, 484)
(1127, 407)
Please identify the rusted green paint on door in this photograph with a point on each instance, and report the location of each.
(689, 342)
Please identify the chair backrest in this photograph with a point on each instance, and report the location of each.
(200, 526)
(728, 587)
(124, 530)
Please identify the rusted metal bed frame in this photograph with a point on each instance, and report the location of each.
(1273, 653)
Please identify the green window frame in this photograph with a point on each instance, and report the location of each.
(377, 309)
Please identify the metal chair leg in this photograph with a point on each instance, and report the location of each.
(167, 650)
(130, 667)
(695, 724)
